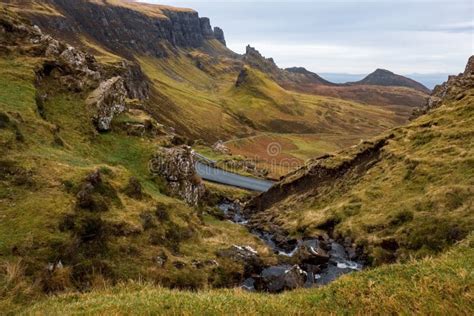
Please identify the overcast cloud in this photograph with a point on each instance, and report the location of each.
(407, 37)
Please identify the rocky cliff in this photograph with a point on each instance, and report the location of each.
(285, 77)
(382, 77)
(453, 89)
(127, 28)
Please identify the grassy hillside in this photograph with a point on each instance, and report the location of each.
(441, 285)
(204, 103)
(406, 193)
(49, 151)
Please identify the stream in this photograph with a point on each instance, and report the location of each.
(306, 262)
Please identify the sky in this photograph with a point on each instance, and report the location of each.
(418, 37)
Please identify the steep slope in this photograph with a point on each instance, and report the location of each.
(82, 207)
(382, 77)
(186, 78)
(122, 27)
(397, 94)
(406, 193)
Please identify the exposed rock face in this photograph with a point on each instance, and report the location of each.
(253, 58)
(382, 77)
(135, 81)
(77, 69)
(128, 28)
(285, 77)
(453, 89)
(219, 35)
(109, 100)
(176, 165)
(206, 28)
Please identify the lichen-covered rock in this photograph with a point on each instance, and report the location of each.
(136, 82)
(109, 100)
(176, 165)
(220, 148)
(77, 69)
(74, 69)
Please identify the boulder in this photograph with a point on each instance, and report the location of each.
(245, 255)
(280, 278)
(108, 100)
(311, 252)
(220, 148)
(176, 165)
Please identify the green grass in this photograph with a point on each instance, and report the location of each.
(41, 193)
(438, 286)
(423, 171)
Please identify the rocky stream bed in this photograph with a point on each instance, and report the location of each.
(304, 262)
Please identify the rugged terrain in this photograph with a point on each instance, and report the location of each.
(403, 194)
(100, 103)
(189, 78)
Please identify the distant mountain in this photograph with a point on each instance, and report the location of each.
(382, 77)
(428, 80)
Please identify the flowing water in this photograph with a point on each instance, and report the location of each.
(339, 262)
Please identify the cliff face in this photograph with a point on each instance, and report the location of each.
(124, 28)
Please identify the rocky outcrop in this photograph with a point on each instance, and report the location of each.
(454, 89)
(221, 148)
(177, 167)
(206, 28)
(136, 82)
(382, 77)
(253, 58)
(127, 28)
(242, 78)
(75, 70)
(219, 35)
(108, 100)
(285, 77)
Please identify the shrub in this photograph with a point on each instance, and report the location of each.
(401, 217)
(148, 221)
(162, 213)
(4, 120)
(134, 189)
